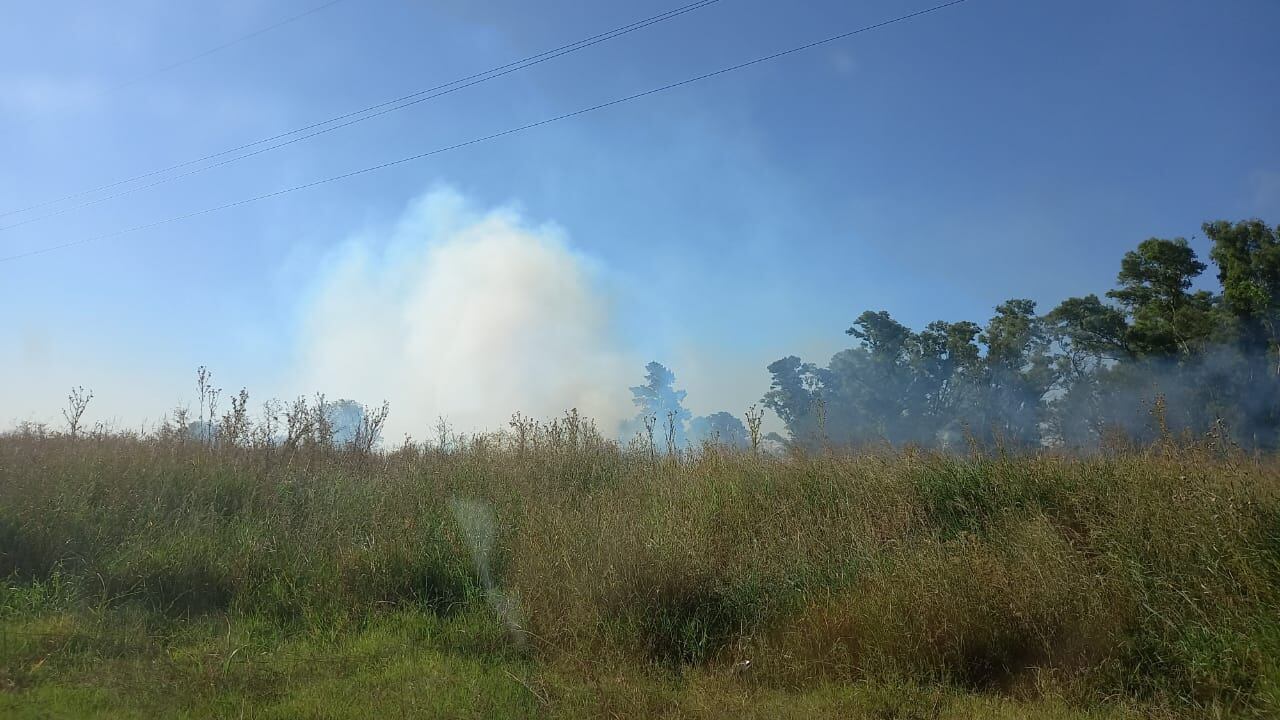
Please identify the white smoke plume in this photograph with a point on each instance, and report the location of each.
(467, 315)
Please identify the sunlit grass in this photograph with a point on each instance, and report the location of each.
(159, 577)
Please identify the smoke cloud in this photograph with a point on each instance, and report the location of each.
(466, 314)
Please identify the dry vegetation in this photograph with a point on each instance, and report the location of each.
(160, 576)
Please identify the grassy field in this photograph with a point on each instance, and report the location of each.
(550, 573)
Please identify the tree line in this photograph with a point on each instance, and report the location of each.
(1154, 357)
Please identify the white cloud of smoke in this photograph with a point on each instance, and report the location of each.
(464, 314)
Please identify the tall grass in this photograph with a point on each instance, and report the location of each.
(1144, 578)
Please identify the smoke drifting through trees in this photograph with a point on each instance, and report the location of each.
(1162, 359)
(1153, 359)
(662, 419)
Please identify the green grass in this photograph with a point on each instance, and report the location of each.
(147, 577)
(400, 664)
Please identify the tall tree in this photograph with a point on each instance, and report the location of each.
(1088, 330)
(948, 360)
(1248, 258)
(1088, 337)
(722, 428)
(345, 419)
(1155, 282)
(658, 398)
(1018, 372)
(877, 383)
(793, 394)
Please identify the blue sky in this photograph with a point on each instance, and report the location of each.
(933, 168)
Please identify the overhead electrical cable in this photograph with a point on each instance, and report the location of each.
(486, 138)
(225, 45)
(344, 120)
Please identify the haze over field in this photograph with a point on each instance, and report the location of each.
(931, 169)
(735, 359)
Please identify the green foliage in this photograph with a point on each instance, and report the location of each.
(1248, 258)
(793, 397)
(906, 387)
(1166, 319)
(683, 622)
(1080, 375)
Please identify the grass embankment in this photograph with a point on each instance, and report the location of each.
(152, 578)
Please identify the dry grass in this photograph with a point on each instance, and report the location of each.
(888, 584)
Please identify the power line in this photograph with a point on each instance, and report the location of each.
(494, 136)
(386, 107)
(223, 46)
(347, 119)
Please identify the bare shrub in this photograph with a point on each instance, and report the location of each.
(77, 401)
